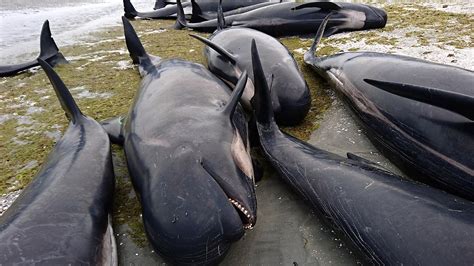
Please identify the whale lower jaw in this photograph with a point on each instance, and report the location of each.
(244, 213)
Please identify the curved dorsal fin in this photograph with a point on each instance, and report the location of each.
(220, 17)
(229, 108)
(160, 4)
(455, 102)
(129, 10)
(180, 16)
(65, 98)
(49, 51)
(221, 50)
(136, 50)
(319, 34)
(196, 15)
(261, 101)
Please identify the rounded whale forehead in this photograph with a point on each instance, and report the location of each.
(238, 41)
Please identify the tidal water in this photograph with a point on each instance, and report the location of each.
(70, 20)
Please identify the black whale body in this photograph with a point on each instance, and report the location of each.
(394, 221)
(430, 143)
(290, 94)
(62, 216)
(206, 7)
(49, 52)
(187, 154)
(201, 12)
(289, 19)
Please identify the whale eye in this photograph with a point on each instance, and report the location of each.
(241, 155)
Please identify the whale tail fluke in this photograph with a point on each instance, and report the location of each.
(49, 51)
(180, 16)
(65, 98)
(455, 102)
(261, 101)
(129, 9)
(135, 48)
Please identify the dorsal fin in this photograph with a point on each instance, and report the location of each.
(322, 5)
(159, 4)
(319, 33)
(261, 101)
(129, 10)
(49, 51)
(47, 45)
(136, 50)
(455, 102)
(196, 15)
(220, 17)
(65, 98)
(221, 50)
(180, 17)
(229, 108)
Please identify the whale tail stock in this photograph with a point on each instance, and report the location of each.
(129, 9)
(65, 98)
(49, 51)
(135, 48)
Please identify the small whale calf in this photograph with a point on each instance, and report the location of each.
(63, 217)
(393, 220)
(429, 135)
(227, 57)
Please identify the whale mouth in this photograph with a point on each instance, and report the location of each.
(245, 215)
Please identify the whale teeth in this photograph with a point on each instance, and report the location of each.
(244, 211)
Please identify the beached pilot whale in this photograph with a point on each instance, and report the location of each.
(186, 143)
(290, 19)
(227, 56)
(63, 216)
(393, 220)
(207, 8)
(202, 11)
(166, 11)
(49, 52)
(432, 138)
